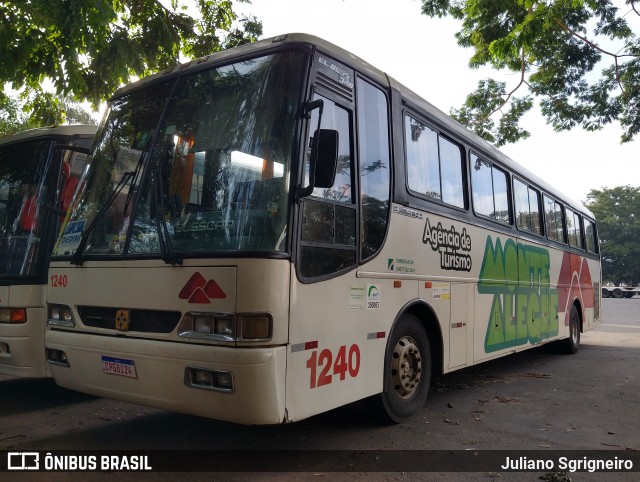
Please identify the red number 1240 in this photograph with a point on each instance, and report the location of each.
(343, 364)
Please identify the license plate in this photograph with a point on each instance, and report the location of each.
(119, 366)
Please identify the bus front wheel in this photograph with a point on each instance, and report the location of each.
(407, 372)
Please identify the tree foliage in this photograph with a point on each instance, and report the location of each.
(617, 211)
(13, 117)
(579, 58)
(88, 48)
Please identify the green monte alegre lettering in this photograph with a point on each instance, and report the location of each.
(525, 306)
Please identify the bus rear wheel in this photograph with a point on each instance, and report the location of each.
(572, 344)
(407, 372)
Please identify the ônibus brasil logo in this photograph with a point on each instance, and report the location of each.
(199, 290)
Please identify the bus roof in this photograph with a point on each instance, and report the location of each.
(69, 130)
(443, 120)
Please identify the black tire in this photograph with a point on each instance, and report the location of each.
(407, 372)
(571, 345)
(617, 293)
(605, 293)
(629, 294)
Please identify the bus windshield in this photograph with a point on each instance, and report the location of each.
(23, 197)
(199, 164)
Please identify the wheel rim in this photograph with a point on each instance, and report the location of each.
(406, 367)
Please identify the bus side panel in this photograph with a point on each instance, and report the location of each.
(536, 297)
(22, 344)
(338, 334)
(592, 315)
(496, 331)
(576, 282)
(340, 327)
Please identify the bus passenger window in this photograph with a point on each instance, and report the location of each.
(554, 220)
(434, 164)
(489, 186)
(452, 176)
(534, 206)
(590, 236)
(527, 202)
(578, 224)
(373, 129)
(574, 232)
(423, 170)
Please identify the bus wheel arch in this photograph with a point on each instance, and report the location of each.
(413, 353)
(430, 322)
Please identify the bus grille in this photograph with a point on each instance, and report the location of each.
(146, 321)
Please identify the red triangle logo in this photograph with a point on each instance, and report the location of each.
(196, 281)
(199, 296)
(213, 290)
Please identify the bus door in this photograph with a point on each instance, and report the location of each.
(462, 305)
(339, 319)
(320, 317)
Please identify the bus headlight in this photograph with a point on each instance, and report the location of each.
(60, 315)
(214, 326)
(226, 326)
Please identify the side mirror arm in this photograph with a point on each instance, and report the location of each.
(302, 192)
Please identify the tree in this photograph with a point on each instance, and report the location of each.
(13, 118)
(617, 211)
(88, 48)
(556, 48)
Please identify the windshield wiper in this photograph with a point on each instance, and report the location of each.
(77, 255)
(128, 175)
(134, 177)
(166, 249)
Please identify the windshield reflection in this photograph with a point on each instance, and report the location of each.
(23, 194)
(217, 168)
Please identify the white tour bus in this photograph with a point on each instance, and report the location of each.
(279, 229)
(38, 177)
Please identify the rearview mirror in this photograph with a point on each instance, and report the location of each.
(324, 149)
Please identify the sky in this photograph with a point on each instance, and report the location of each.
(422, 53)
